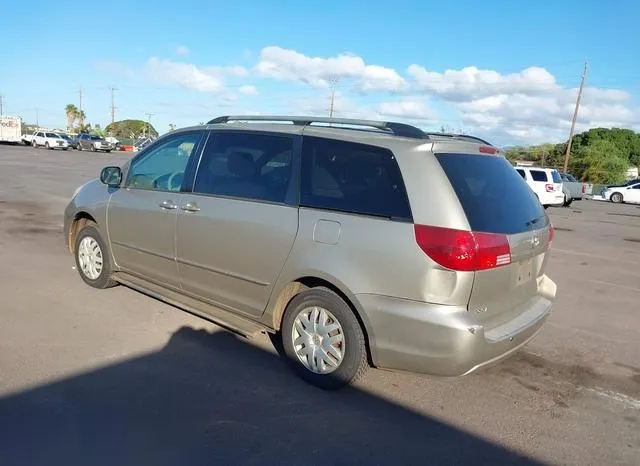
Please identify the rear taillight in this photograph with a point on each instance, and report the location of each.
(552, 233)
(461, 250)
(488, 150)
(548, 187)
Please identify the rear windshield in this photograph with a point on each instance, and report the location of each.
(556, 177)
(493, 195)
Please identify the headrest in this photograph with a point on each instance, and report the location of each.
(241, 164)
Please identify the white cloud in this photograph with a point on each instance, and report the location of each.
(409, 109)
(182, 50)
(183, 74)
(248, 90)
(473, 83)
(289, 65)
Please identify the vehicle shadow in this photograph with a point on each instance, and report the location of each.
(212, 398)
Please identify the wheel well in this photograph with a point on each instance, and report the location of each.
(79, 222)
(306, 283)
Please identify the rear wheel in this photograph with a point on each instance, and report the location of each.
(616, 198)
(322, 339)
(566, 202)
(79, 147)
(34, 144)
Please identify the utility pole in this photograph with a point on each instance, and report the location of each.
(80, 108)
(113, 107)
(1, 105)
(149, 115)
(334, 82)
(37, 121)
(575, 117)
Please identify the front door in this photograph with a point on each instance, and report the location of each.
(236, 230)
(141, 216)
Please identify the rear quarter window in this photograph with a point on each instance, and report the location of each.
(539, 175)
(493, 195)
(353, 178)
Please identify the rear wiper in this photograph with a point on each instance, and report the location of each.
(533, 221)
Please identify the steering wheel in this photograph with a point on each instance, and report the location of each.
(179, 176)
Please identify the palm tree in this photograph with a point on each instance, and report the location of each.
(71, 111)
(81, 116)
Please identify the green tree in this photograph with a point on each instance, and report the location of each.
(130, 129)
(172, 127)
(600, 162)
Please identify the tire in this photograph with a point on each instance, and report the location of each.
(79, 147)
(65, 148)
(567, 203)
(87, 241)
(353, 364)
(545, 207)
(107, 151)
(93, 148)
(617, 198)
(34, 144)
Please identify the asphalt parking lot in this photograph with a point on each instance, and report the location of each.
(115, 377)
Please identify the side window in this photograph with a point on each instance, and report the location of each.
(522, 173)
(538, 175)
(636, 186)
(162, 167)
(351, 177)
(256, 166)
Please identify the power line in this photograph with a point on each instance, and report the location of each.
(575, 117)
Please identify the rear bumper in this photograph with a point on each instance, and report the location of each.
(554, 198)
(447, 340)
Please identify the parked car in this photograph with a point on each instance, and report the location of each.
(66, 137)
(546, 183)
(48, 140)
(573, 189)
(629, 192)
(383, 245)
(92, 143)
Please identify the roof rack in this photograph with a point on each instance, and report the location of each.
(464, 137)
(397, 129)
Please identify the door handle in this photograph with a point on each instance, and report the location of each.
(169, 205)
(190, 207)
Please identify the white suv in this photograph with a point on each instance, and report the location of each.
(546, 183)
(49, 140)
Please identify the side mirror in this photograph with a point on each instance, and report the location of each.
(111, 176)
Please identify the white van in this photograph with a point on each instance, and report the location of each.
(546, 183)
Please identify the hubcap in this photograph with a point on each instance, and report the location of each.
(318, 340)
(90, 258)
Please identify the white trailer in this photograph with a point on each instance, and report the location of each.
(10, 129)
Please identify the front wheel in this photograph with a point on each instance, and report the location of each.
(93, 148)
(34, 144)
(47, 146)
(616, 198)
(323, 340)
(79, 147)
(92, 258)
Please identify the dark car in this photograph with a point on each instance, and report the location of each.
(92, 143)
(68, 138)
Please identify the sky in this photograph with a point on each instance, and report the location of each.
(506, 71)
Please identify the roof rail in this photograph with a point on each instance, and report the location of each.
(397, 129)
(464, 137)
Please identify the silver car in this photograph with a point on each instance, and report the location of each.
(351, 243)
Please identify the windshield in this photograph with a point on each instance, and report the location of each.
(52, 135)
(493, 195)
(96, 138)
